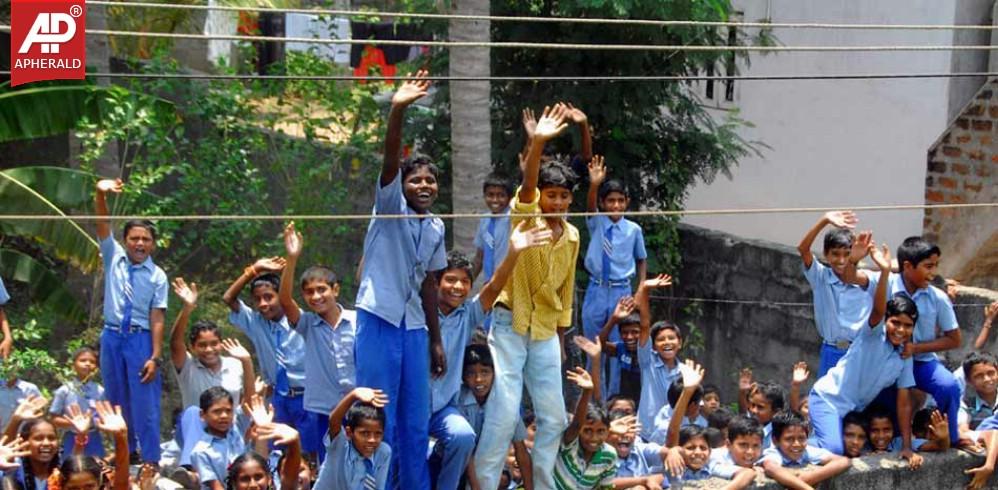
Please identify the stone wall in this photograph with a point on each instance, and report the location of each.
(961, 169)
(758, 310)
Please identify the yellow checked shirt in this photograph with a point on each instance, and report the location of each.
(540, 291)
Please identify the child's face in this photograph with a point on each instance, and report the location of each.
(922, 274)
(760, 407)
(696, 451)
(366, 437)
(420, 189)
(81, 480)
(805, 408)
(626, 406)
(207, 348)
(621, 442)
(629, 334)
(984, 378)
(853, 440)
(693, 410)
(899, 329)
(667, 344)
(793, 442)
(478, 378)
(615, 203)
(555, 200)
(320, 296)
(453, 288)
(711, 402)
(592, 435)
(496, 199)
(84, 365)
(267, 303)
(513, 465)
(745, 450)
(43, 445)
(139, 244)
(837, 259)
(881, 434)
(218, 417)
(252, 476)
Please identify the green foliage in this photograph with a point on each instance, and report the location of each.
(46, 286)
(31, 359)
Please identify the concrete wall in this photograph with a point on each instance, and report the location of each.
(835, 143)
(774, 327)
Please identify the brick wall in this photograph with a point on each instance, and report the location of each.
(962, 166)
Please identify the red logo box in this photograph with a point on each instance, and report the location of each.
(48, 40)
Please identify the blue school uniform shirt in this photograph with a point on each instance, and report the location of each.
(345, 469)
(149, 285)
(492, 238)
(662, 420)
(840, 309)
(277, 346)
(474, 413)
(398, 254)
(934, 309)
(212, 456)
(973, 409)
(897, 443)
(86, 395)
(722, 465)
(628, 246)
(656, 377)
(812, 456)
(644, 459)
(329, 359)
(455, 330)
(871, 364)
(11, 396)
(4, 297)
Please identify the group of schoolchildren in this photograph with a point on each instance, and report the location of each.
(422, 384)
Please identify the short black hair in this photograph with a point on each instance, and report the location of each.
(661, 325)
(692, 432)
(361, 411)
(838, 238)
(920, 421)
(410, 164)
(618, 414)
(856, 418)
(212, 396)
(900, 304)
(203, 326)
(85, 350)
(877, 411)
(139, 223)
(266, 279)
(528, 417)
(459, 261)
(633, 319)
(556, 174)
(785, 419)
(742, 425)
(775, 393)
(498, 180)
(611, 185)
(477, 354)
(975, 358)
(319, 273)
(914, 250)
(720, 418)
(709, 388)
(596, 413)
(715, 438)
(618, 397)
(237, 466)
(676, 390)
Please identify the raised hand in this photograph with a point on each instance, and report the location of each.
(187, 293)
(625, 306)
(842, 219)
(10, 451)
(525, 236)
(115, 186)
(881, 256)
(259, 386)
(148, 475)
(597, 171)
(529, 122)
(745, 381)
(110, 419)
(801, 373)
(375, 397)
(412, 89)
(625, 426)
(269, 264)
(990, 311)
(30, 408)
(281, 434)
(551, 123)
(592, 349)
(692, 374)
(576, 114)
(861, 246)
(581, 378)
(235, 349)
(674, 461)
(81, 420)
(292, 240)
(659, 281)
(260, 413)
(939, 426)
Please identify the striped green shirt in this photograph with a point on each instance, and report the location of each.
(573, 472)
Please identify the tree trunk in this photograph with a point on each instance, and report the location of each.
(471, 130)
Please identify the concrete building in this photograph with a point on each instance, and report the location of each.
(838, 143)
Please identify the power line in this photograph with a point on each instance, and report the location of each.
(792, 304)
(365, 217)
(622, 78)
(573, 20)
(538, 45)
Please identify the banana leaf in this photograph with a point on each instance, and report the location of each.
(45, 286)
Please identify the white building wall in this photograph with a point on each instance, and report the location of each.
(836, 143)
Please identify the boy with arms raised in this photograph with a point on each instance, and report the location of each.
(790, 454)
(357, 456)
(736, 462)
(625, 351)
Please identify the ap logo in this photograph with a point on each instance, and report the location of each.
(47, 40)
